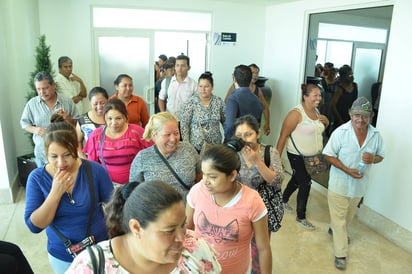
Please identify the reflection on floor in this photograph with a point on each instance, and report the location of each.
(295, 250)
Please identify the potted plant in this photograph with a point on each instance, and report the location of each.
(26, 163)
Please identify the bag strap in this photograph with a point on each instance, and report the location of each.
(66, 241)
(93, 259)
(291, 138)
(101, 148)
(92, 196)
(101, 259)
(171, 169)
(267, 155)
(97, 266)
(293, 142)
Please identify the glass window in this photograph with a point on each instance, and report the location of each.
(150, 19)
(352, 33)
(337, 52)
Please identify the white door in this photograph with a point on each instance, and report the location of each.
(367, 66)
(132, 54)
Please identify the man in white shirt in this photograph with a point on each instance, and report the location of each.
(71, 85)
(352, 149)
(180, 89)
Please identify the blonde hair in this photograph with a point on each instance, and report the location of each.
(156, 123)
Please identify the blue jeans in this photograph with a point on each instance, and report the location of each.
(59, 266)
(300, 179)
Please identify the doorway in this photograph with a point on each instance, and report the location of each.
(355, 37)
(134, 53)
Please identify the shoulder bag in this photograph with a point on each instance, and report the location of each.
(272, 197)
(315, 164)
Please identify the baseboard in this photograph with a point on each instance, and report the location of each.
(5, 196)
(378, 223)
(385, 227)
(15, 187)
(9, 195)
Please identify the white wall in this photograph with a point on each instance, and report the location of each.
(285, 44)
(72, 36)
(19, 32)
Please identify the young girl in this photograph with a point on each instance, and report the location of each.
(228, 213)
(254, 172)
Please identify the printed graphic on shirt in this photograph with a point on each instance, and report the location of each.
(228, 233)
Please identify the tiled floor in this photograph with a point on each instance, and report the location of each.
(295, 250)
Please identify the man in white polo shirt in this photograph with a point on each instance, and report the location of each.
(173, 95)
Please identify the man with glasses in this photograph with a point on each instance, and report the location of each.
(355, 143)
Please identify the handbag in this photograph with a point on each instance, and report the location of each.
(315, 164)
(272, 197)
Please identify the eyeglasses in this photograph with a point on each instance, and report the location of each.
(364, 117)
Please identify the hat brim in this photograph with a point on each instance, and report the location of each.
(361, 112)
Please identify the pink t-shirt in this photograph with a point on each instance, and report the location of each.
(118, 153)
(227, 229)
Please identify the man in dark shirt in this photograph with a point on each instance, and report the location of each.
(242, 101)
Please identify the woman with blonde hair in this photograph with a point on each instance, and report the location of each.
(169, 159)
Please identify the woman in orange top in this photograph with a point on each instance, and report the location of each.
(136, 107)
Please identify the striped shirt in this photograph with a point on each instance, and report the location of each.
(37, 113)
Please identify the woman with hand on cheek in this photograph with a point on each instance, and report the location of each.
(59, 197)
(254, 171)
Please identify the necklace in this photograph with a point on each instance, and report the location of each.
(72, 201)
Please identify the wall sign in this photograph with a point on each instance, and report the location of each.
(228, 37)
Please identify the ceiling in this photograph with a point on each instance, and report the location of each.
(259, 2)
(379, 12)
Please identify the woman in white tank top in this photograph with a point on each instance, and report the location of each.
(306, 125)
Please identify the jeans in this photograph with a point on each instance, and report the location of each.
(59, 266)
(300, 179)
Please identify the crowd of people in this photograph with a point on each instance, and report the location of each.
(169, 193)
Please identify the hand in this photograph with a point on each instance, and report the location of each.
(63, 113)
(266, 129)
(40, 131)
(63, 181)
(324, 120)
(77, 99)
(249, 154)
(74, 77)
(355, 173)
(368, 158)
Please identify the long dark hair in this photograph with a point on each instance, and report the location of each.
(141, 201)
